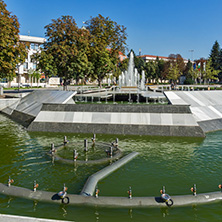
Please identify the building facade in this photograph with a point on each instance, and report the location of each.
(148, 58)
(33, 45)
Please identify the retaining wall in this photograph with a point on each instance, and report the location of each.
(161, 120)
(206, 106)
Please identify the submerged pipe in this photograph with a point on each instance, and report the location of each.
(74, 199)
(92, 181)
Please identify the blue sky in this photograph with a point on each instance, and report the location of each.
(157, 27)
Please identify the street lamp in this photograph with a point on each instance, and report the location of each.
(191, 50)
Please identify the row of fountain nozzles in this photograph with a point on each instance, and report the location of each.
(75, 154)
(35, 185)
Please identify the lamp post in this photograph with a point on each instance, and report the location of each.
(191, 50)
(19, 76)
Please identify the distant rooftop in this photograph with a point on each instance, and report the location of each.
(154, 57)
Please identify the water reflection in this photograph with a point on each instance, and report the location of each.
(97, 215)
(35, 203)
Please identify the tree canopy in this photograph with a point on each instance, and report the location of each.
(91, 51)
(65, 52)
(12, 52)
(107, 39)
(214, 54)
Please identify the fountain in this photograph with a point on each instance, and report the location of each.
(131, 77)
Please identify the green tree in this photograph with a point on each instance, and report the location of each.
(65, 52)
(105, 34)
(159, 69)
(214, 54)
(150, 70)
(210, 73)
(102, 66)
(220, 65)
(83, 67)
(45, 63)
(191, 73)
(37, 74)
(124, 64)
(173, 73)
(180, 63)
(12, 52)
(188, 71)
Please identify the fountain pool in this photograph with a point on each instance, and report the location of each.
(176, 163)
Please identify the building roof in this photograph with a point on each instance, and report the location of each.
(32, 39)
(153, 56)
(160, 57)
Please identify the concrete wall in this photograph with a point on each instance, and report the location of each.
(206, 106)
(161, 120)
(7, 102)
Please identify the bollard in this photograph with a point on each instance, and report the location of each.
(117, 141)
(64, 187)
(163, 191)
(10, 181)
(111, 151)
(35, 186)
(130, 193)
(85, 145)
(62, 194)
(75, 155)
(1, 90)
(97, 193)
(65, 141)
(52, 148)
(94, 138)
(194, 190)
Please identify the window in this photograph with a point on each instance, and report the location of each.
(34, 46)
(34, 66)
(25, 65)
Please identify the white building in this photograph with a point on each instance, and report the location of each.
(148, 58)
(33, 46)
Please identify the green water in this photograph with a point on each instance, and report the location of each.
(176, 163)
(95, 152)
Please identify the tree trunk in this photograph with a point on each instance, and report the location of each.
(9, 84)
(77, 80)
(64, 85)
(99, 83)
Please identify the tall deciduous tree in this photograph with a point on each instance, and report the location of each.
(66, 50)
(173, 73)
(150, 70)
(209, 72)
(159, 69)
(12, 52)
(105, 34)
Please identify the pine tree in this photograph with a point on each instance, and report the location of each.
(220, 65)
(215, 51)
